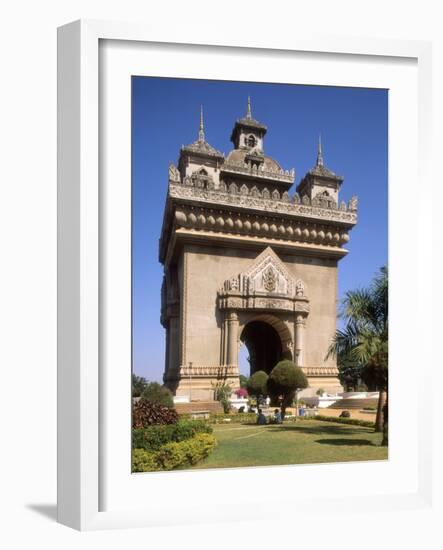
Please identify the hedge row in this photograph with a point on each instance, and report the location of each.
(241, 418)
(237, 418)
(174, 455)
(154, 437)
(352, 421)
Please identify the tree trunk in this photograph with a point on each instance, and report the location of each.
(379, 418)
(385, 439)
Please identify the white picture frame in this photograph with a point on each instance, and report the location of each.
(83, 397)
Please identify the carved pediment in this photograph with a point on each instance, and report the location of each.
(269, 275)
(266, 276)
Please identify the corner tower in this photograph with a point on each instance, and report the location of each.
(248, 263)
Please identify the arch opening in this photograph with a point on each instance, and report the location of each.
(263, 344)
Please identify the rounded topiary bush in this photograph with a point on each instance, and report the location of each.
(345, 414)
(156, 393)
(285, 379)
(257, 384)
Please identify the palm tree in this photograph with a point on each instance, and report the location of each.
(365, 339)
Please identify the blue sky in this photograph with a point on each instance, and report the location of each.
(165, 115)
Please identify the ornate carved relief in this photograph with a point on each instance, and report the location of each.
(246, 168)
(244, 190)
(353, 203)
(324, 200)
(174, 174)
(213, 371)
(320, 371)
(233, 189)
(269, 279)
(266, 285)
(268, 274)
(299, 288)
(261, 201)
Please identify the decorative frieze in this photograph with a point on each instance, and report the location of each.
(262, 302)
(232, 197)
(227, 221)
(320, 371)
(213, 371)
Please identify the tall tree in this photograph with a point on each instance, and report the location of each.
(349, 373)
(138, 385)
(365, 339)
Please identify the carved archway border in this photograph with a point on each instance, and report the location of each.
(283, 327)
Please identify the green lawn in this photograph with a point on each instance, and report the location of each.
(303, 442)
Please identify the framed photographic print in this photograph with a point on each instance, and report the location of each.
(229, 217)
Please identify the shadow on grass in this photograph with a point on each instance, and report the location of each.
(321, 429)
(350, 442)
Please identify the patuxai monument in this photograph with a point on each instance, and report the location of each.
(249, 261)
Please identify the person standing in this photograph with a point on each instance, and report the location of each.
(277, 416)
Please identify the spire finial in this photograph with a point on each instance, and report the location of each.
(319, 152)
(201, 133)
(248, 112)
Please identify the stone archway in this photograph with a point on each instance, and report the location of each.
(263, 344)
(267, 339)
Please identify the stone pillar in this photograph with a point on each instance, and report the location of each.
(224, 340)
(173, 348)
(300, 323)
(232, 352)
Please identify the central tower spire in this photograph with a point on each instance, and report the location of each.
(248, 133)
(201, 133)
(248, 111)
(319, 152)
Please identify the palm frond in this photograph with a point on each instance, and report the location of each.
(364, 339)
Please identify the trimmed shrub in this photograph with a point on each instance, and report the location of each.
(257, 384)
(284, 381)
(143, 461)
(154, 437)
(350, 421)
(145, 414)
(174, 455)
(345, 414)
(156, 393)
(242, 418)
(186, 453)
